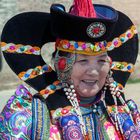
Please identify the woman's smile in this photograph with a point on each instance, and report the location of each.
(89, 83)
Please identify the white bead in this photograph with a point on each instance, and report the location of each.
(71, 86)
(70, 94)
(67, 93)
(111, 88)
(69, 90)
(74, 95)
(112, 92)
(94, 110)
(95, 106)
(118, 94)
(73, 90)
(68, 97)
(65, 89)
(72, 98)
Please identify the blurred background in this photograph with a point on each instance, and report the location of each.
(9, 8)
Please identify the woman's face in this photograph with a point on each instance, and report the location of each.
(89, 74)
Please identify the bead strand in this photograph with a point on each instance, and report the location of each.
(72, 97)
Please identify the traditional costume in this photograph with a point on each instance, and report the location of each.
(55, 112)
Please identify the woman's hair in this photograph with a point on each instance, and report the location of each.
(61, 53)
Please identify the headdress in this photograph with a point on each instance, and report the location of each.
(82, 30)
(24, 35)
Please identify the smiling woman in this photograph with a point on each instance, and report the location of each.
(82, 96)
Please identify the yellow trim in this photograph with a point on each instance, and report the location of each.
(81, 52)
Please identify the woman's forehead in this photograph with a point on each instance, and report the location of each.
(88, 56)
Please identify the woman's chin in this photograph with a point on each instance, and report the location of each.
(88, 92)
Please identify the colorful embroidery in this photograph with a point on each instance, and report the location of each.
(19, 48)
(98, 125)
(96, 48)
(54, 133)
(111, 132)
(129, 128)
(32, 73)
(69, 123)
(89, 123)
(16, 118)
(122, 66)
(135, 113)
(126, 125)
(41, 120)
(60, 112)
(73, 132)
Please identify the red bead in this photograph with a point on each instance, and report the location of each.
(12, 47)
(61, 63)
(64, 111)
(32, 50)
(46, 91)
(96, 30)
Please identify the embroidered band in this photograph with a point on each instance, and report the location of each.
(41, 120)
(32, 73)
(122, 66)
(20, 49)
(96, 48)
(50, 89)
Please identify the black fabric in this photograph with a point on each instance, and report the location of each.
(127, 52)
(57, 100)
(109, 99)
(32, 28)
(68, 26)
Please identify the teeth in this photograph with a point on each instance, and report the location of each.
(89, 81)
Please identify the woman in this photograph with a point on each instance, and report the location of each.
(82, 98)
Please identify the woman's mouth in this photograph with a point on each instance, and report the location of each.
(89, 82)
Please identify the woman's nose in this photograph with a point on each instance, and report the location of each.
(92, 70)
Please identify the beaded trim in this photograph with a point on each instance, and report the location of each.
(41, 120)
(32, 73)
(97, 47)
(122, 66)
(60, 112)
(51, 89)
(20, 49)
(112, 109)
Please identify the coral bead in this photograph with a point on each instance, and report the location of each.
(64, 111)
(61, 63)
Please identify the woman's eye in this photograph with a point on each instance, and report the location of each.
(82, 61)
(102, 61)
